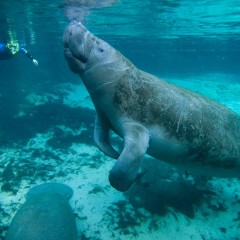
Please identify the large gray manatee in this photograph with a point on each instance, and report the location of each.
(152, 116)
(46, 215)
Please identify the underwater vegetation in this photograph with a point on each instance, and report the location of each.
(160, 187)
(3, 227)
(43, 118)
(44, 142)
(124, 219)
(33, 162)
(157, 194)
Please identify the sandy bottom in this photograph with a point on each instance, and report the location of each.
(163, 204)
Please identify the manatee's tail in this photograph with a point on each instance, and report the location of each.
(58, 188)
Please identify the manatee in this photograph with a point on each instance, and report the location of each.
(46, 215)
(152, 116)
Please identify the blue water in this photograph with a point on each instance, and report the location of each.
(46, 114)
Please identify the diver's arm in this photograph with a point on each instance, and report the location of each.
(27, 54)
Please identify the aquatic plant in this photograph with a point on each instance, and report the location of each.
(97, 189)
(3, 230)
(42, 118)
(64, 139)
(19, 170)
(160, 187)
(124, 219)
(237, 219)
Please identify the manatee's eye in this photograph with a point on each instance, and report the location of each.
(101, 50)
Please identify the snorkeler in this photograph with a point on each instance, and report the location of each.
(9, 50)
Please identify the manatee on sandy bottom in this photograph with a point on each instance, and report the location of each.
(152, 116)
(46, 215)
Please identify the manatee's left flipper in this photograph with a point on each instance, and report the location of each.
(101, 136)
(124, 172)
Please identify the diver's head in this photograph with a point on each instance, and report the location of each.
(13, 47)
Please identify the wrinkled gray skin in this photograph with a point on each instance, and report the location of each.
(152, 116)
(46, 215)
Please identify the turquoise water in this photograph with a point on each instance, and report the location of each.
(46, 115)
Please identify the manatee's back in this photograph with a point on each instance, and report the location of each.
(46, 215)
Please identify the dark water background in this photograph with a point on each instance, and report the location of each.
(163, 37)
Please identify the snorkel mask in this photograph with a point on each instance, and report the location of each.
(13, 47)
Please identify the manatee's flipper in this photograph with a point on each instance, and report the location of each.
(124, 172)
(101, 137)
(47, 188)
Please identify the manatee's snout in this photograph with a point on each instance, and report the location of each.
(74, 30)
(75, 46)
